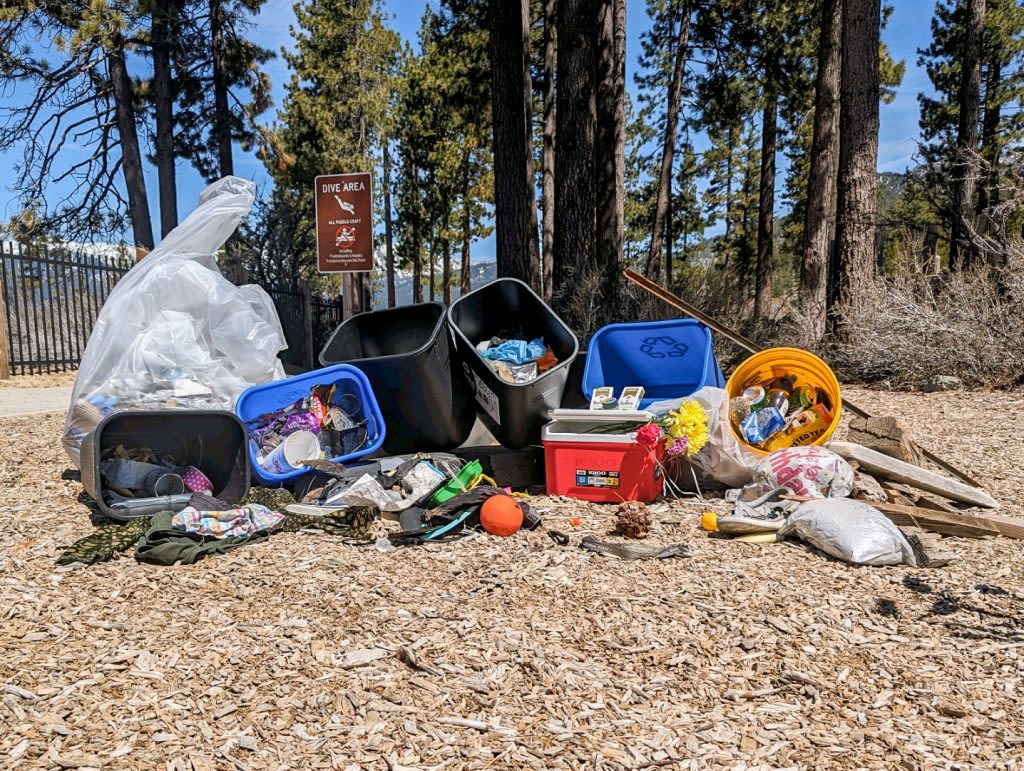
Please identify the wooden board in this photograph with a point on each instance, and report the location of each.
(879, 464)
(883, 434)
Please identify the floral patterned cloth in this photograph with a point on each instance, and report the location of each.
(246, 520)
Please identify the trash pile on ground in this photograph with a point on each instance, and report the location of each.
(193, 441)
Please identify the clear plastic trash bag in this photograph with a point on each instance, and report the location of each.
(174, 333)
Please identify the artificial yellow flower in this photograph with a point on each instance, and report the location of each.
(688, 420)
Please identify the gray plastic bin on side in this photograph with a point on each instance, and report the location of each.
(213, 441)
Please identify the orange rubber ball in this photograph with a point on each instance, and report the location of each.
(501, 515)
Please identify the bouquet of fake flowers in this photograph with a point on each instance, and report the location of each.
(683, 430)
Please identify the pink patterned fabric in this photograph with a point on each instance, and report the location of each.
(196, 481)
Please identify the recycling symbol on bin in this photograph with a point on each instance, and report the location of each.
(663, 347)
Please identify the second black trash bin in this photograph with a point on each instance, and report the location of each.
(508, 308)
(406, 354)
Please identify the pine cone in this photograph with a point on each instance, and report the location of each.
(633, 519)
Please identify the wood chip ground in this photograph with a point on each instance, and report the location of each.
(306, 652)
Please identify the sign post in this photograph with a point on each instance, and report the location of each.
(344, 223)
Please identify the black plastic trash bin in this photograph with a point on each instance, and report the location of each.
(508, 308)
(211, 440)
(406, 354)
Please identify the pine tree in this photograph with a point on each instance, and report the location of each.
(164, 40)
(965, 166)
(85, 97)
(515, 203)
(665, 48)
(221, 88)
(1001, 77)
(688, 220)
(575, 197)
(610, 138)
(858, 158)
(334, 113)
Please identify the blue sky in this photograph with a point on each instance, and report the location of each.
(908, 30)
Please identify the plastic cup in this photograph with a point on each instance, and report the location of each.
(161, 483)
(290, 454)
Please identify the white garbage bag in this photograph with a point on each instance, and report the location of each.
(850, 530)
(174, 333)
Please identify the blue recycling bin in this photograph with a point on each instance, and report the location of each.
(669, 359)
(267, 397)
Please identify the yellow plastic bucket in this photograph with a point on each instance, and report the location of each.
(808, 369)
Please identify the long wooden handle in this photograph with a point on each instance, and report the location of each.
(748, 345)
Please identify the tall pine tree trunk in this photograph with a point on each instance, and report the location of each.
(857, 181)
(465, 277)
(515, 207)
(389, 243)
(547, 159)
(432, 254)
(417, 246)
(988, 191)
(163, 101)
(620, 128)
(965, 167)
(609, 139)
(668, 145)
(729, 203)
(233, 270)
(446, 252)
(670, 237)
(819, 223)
(131, 156)
(575, 223)
(221, 113)
(766, 207)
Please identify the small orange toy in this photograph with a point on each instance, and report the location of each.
(501, 515)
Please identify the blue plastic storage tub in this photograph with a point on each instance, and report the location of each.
(668, 358)
(267, 397)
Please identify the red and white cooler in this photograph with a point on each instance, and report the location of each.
(600, 467)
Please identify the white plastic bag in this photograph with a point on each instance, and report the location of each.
(174, 333)
(850, 530)
(723, 458)
(811, 470)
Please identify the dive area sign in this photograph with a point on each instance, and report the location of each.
(344, 223)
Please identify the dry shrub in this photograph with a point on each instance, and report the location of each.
(914, 326)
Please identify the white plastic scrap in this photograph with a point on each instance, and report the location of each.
(850, 530)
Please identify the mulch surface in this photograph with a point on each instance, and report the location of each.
(304, 651)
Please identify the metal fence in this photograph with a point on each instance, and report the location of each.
(308, 321)
(51, 299)
(327, 315)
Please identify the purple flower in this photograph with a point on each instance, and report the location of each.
(679, 446)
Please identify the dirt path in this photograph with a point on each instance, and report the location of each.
(737, 656)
